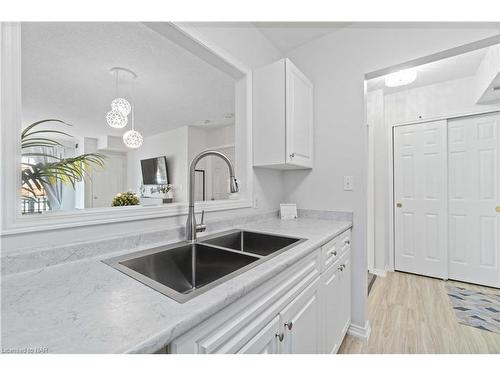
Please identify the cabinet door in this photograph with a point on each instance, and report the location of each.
(345, 290)
(332, 295)
(300, 322)
(299, 118)
(269, 115)
(266, 341)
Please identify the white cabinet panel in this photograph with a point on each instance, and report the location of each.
(474, 192)
(266, 341)
(332, 296)
(345, 287)
(301, 322)
(282, 117)
(299, 117)
(336, 297)
(420, 191)
(269, 115)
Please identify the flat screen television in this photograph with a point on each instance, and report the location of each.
(154, 171)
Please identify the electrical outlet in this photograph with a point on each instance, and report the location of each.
(348, 182)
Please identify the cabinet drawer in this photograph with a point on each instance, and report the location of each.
(334, 249)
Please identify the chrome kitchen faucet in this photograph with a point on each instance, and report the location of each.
(191, 227)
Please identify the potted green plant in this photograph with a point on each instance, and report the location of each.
(127, 198)
(42, 169)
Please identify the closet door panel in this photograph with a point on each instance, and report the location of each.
(420, 191)
(474, 193)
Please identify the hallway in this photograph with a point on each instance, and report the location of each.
(412, 314)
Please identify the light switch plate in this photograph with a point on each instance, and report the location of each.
(348, 181)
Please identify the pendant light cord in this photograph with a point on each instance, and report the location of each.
(116, 83)
(133, 102)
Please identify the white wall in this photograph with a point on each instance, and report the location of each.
(201, 139)
(377, 207)
(438, 100)
(337, 64)
(488, 71)
(174, 145)
(240, 39)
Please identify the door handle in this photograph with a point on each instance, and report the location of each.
(289, 325)
(497, 208)
(280, 336)
(399, 205)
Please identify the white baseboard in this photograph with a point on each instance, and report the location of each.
(379, 272)
(360, 332)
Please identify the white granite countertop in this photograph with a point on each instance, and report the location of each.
(88, 307)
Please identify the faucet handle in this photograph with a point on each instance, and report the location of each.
(201, 227)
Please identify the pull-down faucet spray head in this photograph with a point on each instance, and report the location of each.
(191, 227)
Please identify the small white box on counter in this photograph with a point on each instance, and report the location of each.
(288, 211)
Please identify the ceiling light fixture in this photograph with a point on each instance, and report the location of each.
(401, 78)
(132, 138)
(116, 119)
(120, 107)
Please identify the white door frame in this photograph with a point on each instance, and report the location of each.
(370, 221)
(390, 143)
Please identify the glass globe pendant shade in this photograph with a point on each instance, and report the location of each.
(116, 119)
(132, 139)
(121, 105)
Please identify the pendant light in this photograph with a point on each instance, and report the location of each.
(120, 107)
(132, 138)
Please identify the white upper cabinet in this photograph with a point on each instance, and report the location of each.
(282, 117)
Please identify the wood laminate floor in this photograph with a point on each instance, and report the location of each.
(412, 314)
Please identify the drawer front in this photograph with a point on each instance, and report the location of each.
(345, 241)
(333, 250)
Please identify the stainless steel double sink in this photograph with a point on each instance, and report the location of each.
(182, 271)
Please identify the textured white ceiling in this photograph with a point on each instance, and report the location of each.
(460, 66)
(65, 75)
(287, 36)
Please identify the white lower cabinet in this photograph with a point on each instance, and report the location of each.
(332, 297)
(305, 309)
(266, 341)
(295, 330)
(336, 298)
(301, 323)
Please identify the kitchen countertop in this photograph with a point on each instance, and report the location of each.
(88, 307)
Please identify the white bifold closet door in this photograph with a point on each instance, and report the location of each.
(420, 192)
(474, 195)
